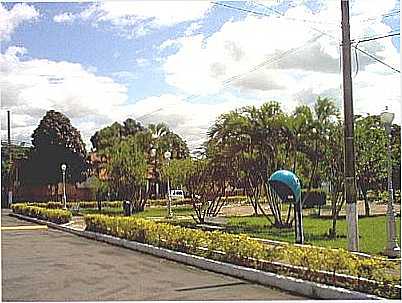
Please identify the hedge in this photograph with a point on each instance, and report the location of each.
(57, 216)
(240, 249)
(82, 204)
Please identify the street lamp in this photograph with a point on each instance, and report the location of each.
(153, 155)
(392, 250)
(167, 155)
(63, 169)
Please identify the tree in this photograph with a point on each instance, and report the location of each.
(371, 156)
(333, 170)
(252, 141)
(206, 180)
(110, 135)
(55, 141)
(127, 170)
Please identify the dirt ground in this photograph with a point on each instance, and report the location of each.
(245, 210)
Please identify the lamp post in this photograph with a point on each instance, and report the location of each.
(153, 155)
(167, 155)
(392, 250)
(63, 169)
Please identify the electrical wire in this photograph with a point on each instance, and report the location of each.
(290, 18)
(271, 60)
(367, 54)
(264, 14)
(266, 62)
(376, 59)
(391, 34)
(387, 15)
(357, 60)
(283, 54)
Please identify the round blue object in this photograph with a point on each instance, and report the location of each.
(288, 179)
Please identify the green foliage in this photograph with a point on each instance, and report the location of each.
(81, 204)
(241, 249)
(178, 171)
(127, 171)
(57, 216)
(113, 134)
(55, 142)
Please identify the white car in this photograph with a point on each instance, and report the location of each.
(177, 194)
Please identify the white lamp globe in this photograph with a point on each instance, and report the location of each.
(167, 154)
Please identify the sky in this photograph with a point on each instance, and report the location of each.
(186, 62)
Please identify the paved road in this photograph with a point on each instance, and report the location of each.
(50, 265)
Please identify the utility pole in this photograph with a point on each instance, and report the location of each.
(10, 180)
(349, 156)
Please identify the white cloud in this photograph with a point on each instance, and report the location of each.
(30, 88)
(64, 18)
(188, 119)
(11, 19)
(142, 62)
(192, 28)
(124, 76)
(275, 62)
(134, 19)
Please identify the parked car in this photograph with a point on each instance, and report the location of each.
(177, 194)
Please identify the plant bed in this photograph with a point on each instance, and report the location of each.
(328, 266)
(81, 204)
(57, 216)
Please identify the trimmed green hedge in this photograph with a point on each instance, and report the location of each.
(53, 215)
(238, 249)
(82, 204)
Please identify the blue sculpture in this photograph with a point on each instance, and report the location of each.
(286, 184)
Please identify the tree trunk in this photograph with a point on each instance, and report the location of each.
(334, 215)
(332, 231)
(366, 204)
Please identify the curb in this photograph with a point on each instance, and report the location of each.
(298, 286)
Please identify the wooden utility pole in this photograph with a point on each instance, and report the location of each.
(349, 153)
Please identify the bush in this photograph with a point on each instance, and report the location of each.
(94, 204)
(57, 216)
(84, 204)
(235, 247)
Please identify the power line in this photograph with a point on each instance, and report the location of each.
(271, 60)
(375, 38)
(376, 59)
(264, 14)
(367, 54)
(290, 18)
(387, 15)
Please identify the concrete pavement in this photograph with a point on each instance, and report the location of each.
(49, 265)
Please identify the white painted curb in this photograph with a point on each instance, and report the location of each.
(298, 286)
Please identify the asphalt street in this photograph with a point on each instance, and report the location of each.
(50, 265)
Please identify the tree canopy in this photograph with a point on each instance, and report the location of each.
(55, 141)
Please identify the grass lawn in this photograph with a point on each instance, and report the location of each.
(372, 231)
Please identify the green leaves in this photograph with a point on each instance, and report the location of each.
(241, 249)
(55, 142)
(53, 215)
